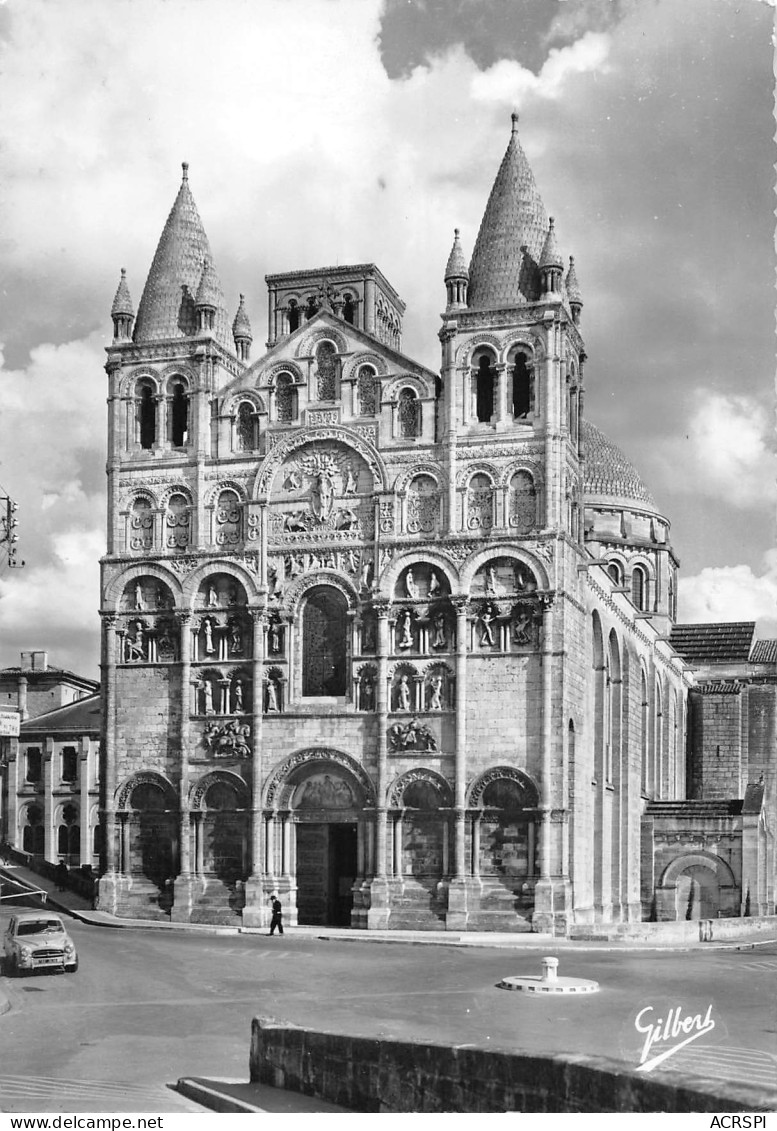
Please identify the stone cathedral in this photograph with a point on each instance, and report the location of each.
(393, 643)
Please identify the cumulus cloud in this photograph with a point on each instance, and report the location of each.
(727, 452)
(509, 83)
(732, 593)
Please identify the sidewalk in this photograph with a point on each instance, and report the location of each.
(82, 910)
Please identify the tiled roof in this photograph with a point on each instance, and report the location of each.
(551, 256)
(81, 716)
(764, 652)
(209, 288)
(503, 270)
(60, 675)
(457, 264)
(609, 476)
(166, 310)
(241, 327)
(122, 303)
(573, 287)
(714, 643)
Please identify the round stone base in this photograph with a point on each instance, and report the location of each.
(555, 986)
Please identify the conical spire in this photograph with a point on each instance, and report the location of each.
(573, 287)
(166, 309)
(241, 327)
(209, 289)
(122, 303)
(504, 267)
(457, 264)
(551, 256)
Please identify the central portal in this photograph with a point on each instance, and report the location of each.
(326, 870)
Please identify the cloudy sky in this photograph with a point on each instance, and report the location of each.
(326, 131)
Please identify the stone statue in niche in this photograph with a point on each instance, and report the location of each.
(209, 646)
(136, 646)
(405, 625)
(139, 603)
(235, 640)
(368, 635)
(207, 697)
(166, 645)
(272, 696)
(274, 638)
(435, 693)
(487, 626)
(411, 736)
(233, 594)
(522, 628)
(367, 574)
(434, 584)
(439, 639)
(238, 696)
(213, 597)
(160, 598)
(367, 695)
(411, 586)
(492, 582)
(403, 694)
(350, 480)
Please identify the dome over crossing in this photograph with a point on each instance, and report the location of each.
(610, 478)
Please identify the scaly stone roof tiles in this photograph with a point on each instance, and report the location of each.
(572, 285)
(457, 264)
(166, 309)
(122, 303)
(241, 327)
(610, 477)
(504, 266)
(551, 256)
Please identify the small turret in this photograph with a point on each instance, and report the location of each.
(551, 263)
(573, 291)
(456, 275)
(241, 332)
(208, 298)
(122, 311)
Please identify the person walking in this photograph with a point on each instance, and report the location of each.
(277, 914)
(61, 876)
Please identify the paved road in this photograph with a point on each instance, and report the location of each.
(148, 1007)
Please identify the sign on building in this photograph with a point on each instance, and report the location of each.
(9, 723)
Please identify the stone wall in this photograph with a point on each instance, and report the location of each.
(384, 1075)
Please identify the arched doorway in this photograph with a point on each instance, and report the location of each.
(324, 642)
(151, 834)
(504, 848)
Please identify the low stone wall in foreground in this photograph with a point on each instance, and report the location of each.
(682, 931)
(386, 1075)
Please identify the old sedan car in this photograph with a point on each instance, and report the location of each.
(37, 940)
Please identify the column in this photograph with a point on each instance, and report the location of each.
(85, 763)
(378, 913)
(476, 843)
(124, 819)
(185, 646)
(460, 762)
(50, 845)
(398, 845)
(501, 394)
(109, 774)
(262, 844)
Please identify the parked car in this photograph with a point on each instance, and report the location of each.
(37, 940)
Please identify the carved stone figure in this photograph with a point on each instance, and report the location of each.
(136, 646)
(404, 624)
(228, 740)
(347, 519)
(439, 639)
(350, 480)
(434, 584)
(238, 696)
(403, 694)
(522, 628)
(411, 736)
(209, 646)
(322, 496)
(213, 597)
(233, 594)
(411, 587)
(486, 623)
(272, 696)
(367, 574)
(367, 699)
(207, 697)
(492, 582)
(435, 693)
(139, 604)
(235, 640)
(274, 638)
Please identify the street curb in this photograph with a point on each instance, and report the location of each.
(195, 1090)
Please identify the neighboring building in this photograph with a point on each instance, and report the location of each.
(392, 642)
(715, 852)
(50, 785)
(35, 687)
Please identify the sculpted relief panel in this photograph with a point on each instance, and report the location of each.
(322, 492)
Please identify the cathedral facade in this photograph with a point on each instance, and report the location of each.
(392, 643)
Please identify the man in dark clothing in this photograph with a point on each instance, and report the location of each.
(61, 876)
(277, 914)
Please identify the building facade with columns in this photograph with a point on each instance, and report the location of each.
(390, 642)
